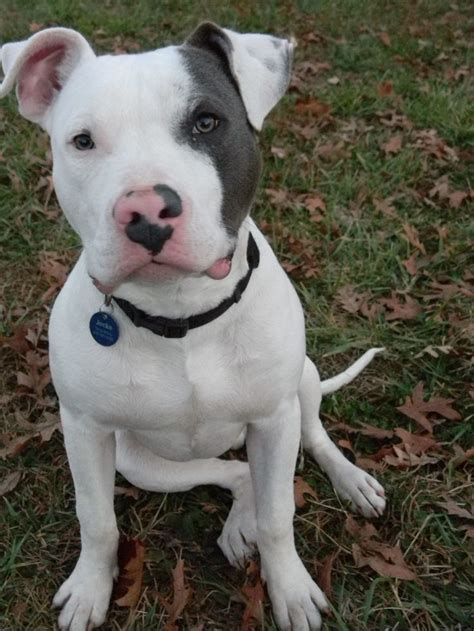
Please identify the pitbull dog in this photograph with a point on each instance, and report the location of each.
(202, 344)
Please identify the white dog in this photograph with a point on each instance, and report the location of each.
(177, 335)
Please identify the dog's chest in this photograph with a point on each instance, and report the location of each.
(182, 401)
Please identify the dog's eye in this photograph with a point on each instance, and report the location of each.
(205, 123)
(83, 142)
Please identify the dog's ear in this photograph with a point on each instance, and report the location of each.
(39, 67)
(260, 65)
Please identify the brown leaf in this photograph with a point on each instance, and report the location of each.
(457, 198)
(392, 146)
(181, 596)
(254, 596)
(324, 578)
(15, 446)
(385, 206)
(412, 236)
(453, 509)
(385, 38)
(397, 569)
(385, 89)
(18, 341)
(400, 310)
(300, 489)
(313, 107)
(128, 491)
(410, 264)
(131, 555)
(417, 409)
(349, 299)
(9, 482)
(413, 443)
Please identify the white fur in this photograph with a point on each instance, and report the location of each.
(159, 410)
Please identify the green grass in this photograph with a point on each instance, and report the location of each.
(352, 244)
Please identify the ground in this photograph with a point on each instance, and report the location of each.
(367, 199)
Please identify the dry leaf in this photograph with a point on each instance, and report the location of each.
(181, 596)
(9, 482)
(128, 491)
(386, 560)
(412, 236)
(300, 489)
(417, 409)
(324, 578)
(392, 146)
(385, 89)
(254, 596)
(313, 107)
(334, 80)
(413, 443)
(453, 509)
(457, 198)
(385, 38)
(400, 310)
(131, 554)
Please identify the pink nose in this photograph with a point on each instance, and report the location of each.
(148, 216)
(158, 205)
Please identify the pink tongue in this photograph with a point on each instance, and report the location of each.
(220, 269)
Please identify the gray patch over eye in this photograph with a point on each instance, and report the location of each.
(232, 146)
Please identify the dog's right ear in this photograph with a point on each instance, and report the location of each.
(39, 67)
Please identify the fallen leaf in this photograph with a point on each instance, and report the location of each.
(334, 80)
(313, 107)
(457, 198)
(410, 264)
(386, 560)
(181, 596)
(385, 38)
(413, 237)
(350, 299)
(9, 482)
(394, 567)
(453, 509)
(15, 446)
(406, 310)
(131, 555)
(324, 578)
(417, 409)
(254, 596)
(128, 491)
(300, 489)
(385, 206)
(413, 443)
(392, 146)
(385, 89)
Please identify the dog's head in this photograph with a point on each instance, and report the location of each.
(155, 154)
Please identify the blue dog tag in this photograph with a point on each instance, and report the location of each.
(104, 328)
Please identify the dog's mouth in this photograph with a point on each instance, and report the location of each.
(219, 270)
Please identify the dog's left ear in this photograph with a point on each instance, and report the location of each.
(260, 65)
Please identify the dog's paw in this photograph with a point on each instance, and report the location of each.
(296, 599)
(238, 540)
(84, 598)
(363, 491)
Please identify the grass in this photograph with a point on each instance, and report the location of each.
(352, 243)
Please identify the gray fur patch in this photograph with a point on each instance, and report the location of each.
(232, 146)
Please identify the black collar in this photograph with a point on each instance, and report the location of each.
(178, 327)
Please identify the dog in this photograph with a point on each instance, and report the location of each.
(177, 335)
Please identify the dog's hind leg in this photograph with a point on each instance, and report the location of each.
(351, 483)
(146, 470)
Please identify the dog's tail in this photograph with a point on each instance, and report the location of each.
(345, 377)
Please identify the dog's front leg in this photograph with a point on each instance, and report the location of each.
(84, 596)
(272, 446)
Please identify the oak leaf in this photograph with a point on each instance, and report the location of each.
(181, 596)
(131, 555)
(302, 488)
(416, 408)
